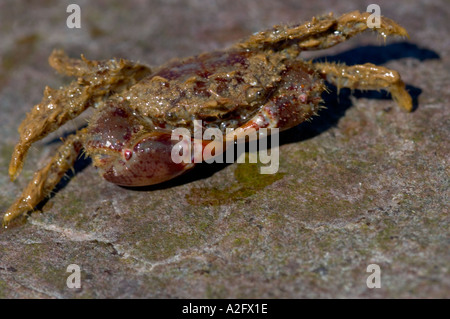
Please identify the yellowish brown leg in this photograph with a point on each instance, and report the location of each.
(95, 80)
(319, 33)
(367, 77)
(56, 108)
(45, 180)
(347, 26)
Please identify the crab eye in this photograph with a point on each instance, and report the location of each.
(127, 154)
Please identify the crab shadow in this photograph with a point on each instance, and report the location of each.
(336, 107)
(338, 103)
(80, 164)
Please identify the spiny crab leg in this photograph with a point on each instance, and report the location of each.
(320, 33)
(45, 180)
(367, 77)
(95, 80)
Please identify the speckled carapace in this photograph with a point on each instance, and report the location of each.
(259, 82)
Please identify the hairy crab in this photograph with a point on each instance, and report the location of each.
(258, 83)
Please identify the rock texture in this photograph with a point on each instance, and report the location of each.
(364, 183)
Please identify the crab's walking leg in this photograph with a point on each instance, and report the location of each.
(45, 180)
(56, 108)
(347, 26)
(96, 79)
(367, 77)
(319, 33)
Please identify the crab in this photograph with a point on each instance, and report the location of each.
(260, 82)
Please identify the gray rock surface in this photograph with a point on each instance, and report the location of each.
(364, 183)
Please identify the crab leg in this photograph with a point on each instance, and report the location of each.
(319, 33)
(347, 26)
(367, 77)
(45, 180)
(95, 80)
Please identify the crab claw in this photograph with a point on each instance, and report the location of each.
(128, 150)
(146, 162)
